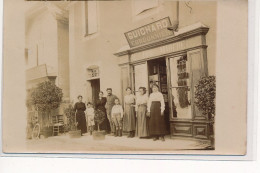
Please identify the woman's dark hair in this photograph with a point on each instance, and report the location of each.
(117, 99)
(109, 89)
(155, 85)
(101, 92)
(89, 103)
(128, 88)
(143, 88)
(80, 96)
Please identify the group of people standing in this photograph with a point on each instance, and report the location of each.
(138, 115)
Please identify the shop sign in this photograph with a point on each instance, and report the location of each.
(173, 47)
(149, 33)
(169, 48)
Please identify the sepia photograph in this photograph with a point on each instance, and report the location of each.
(130, 76)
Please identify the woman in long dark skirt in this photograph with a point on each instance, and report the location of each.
(100, 105)
(155, 109)
(80, 107)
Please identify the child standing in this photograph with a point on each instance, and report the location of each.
(90, 117)
(117, 116)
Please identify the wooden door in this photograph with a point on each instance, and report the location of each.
(95, 85)
(198, 68)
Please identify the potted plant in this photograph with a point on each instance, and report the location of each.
(72, 123)
(46, 97)
(99, 118)
(205, 95)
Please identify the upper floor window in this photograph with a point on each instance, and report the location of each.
(91, 24)
(141, 6)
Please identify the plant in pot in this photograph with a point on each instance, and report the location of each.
(46, 97)
(72, 123)
(205, 95)
(99, 118)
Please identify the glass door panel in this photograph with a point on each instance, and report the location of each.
(180, 87)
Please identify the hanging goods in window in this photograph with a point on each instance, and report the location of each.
(182, 82)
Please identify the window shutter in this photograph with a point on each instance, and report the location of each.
(198, 68)
(140, 76)
(86, 17)
(92, 17)
(41, 58)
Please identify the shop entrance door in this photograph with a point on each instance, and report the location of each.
(157, 74)
(95, 85)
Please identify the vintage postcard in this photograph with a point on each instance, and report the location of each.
(125, 77)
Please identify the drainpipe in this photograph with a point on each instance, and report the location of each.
(175, 24)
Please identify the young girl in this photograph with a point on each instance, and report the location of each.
(117, 116)
(90, 117)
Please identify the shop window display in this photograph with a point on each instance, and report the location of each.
(180, 87)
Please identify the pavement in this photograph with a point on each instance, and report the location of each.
(86, 144)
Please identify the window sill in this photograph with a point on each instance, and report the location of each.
(87, 37)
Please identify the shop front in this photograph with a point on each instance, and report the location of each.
(174, 61)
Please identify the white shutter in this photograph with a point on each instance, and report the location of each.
(92, 17)
(141, 76)
(41, 58)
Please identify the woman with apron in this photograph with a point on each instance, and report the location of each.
(155, 110)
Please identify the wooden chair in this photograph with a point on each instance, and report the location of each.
(58, 124)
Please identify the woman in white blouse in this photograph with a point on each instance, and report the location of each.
(155, 109)
(141, 109)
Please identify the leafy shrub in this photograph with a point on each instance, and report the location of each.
(70, 114)
(205, 94)
(46, 97)
(99, 117)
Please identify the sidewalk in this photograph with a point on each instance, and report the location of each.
(85, 144)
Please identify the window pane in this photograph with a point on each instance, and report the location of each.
(141, 76)
(181, 102)
(93, 72)
(180, 83)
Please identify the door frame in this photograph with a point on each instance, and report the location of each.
(91, 85)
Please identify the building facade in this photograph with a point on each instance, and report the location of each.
(47, 45)
(46, 52)
(109, 49)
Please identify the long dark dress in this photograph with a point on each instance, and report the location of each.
(100, 105)
(157, 124)
(80, 107)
